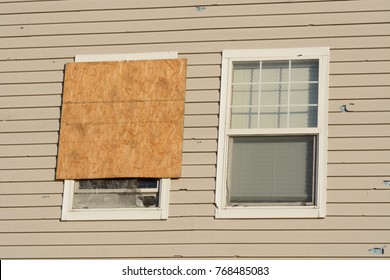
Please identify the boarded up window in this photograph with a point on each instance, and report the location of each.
(122, 119)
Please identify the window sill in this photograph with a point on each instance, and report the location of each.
(269, 212)
(113, 214)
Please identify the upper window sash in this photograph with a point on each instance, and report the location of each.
(273, 94)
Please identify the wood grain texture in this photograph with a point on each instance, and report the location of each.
(122, 119)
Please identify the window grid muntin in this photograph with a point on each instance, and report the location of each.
(260, 83)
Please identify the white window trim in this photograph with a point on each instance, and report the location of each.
(161, 212)
(317, 211)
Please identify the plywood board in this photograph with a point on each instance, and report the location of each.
(122, 119)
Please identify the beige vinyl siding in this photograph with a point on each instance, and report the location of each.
(37, 38)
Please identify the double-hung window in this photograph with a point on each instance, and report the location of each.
(273, 133)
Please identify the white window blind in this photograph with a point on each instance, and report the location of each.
(272, 170)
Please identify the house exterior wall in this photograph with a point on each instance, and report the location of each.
(38, 37)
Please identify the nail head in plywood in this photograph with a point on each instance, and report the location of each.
(122, 119)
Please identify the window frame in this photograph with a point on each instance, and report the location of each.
(158, 213)
(321, 131)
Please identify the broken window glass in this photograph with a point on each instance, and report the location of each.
(116, 193)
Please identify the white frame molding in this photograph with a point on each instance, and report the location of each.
(317, 211)
(161, 212)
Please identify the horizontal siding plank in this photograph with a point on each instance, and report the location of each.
(33, 126)
(203, 71)
(31, 77)
(354, 92)
(360, 55)
(359, 130)
(340, 169)
(196, 171)
(358, 209)
(359, 156)
(193, 184)
(27, 175)
(200, 133)
(30, 101)
(75, 12)
(197, 35)
(30, 114)
(223, 22)
(16, 163)
(359, 196)
(202, 58)
(30, 200)
(202, 83)
(15, 7)
(364, 42)
(363, 183)
(28, 150)
(192, 250)
(348, 144)
(29, 89)
(191, 197)
(199, 158)
(55, 187)
(188, 237)
(201, 108)
(360, 80)
(359, 118)
(199, 145)
(202, 96)
(370, 105)
(367, 67)
(199, 223)
(34, 65)
(29, 138)
(201, 121)
(30, 213)
(191, 210)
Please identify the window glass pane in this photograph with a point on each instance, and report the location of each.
(273, 117)
(304, 93)
(271, 170)
(244, 117)
(303, 116)
(274, 71)
(246, 72)
(304, 70)
(245, 95)
(274, 94)
(115, 193)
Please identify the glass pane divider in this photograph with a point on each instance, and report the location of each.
(274, 83)
(288, 93)
(259, 98)
(278, 131)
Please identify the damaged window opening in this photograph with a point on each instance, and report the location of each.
(116, 160)
(116, 193)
